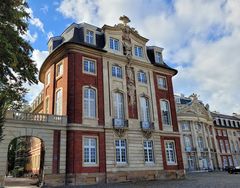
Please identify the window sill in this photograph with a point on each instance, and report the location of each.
(59, 77)
(121, 165)
(90, 165)
(90, 73)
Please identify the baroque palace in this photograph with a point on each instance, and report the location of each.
(209, 140)
(118, 97)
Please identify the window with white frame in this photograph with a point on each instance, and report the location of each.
(58, 102)
(89, 103)
(237, 146)
(90, 150)
(47, 105)
(225, 162)
(200, 142)
(227, 146)
(59, 69)
(230, 161)
(114, 43)
(138, 51)
(185, 125)
(158, 57)
(144, 109)
(117, 71)
(89, 37)
(232, 147)
(219, 132)
(48, 79)
(170, 152)
(89, 66)
(162, 82)
(148, 151)
(224, 133)
(121, 151)
(165, 111)
(222, 146)
(187, 143)
(118, 105)
(142, 77)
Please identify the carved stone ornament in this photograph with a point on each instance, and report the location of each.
(147, 133)
(120, 132)
(130, 85)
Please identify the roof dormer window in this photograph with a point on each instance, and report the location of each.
(158, 57)
(138, 51)
(89, 37)
(114, 44)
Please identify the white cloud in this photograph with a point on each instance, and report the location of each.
(38, 57)
(201, 39)
(44, 9)
(30, 37)
(35, 21)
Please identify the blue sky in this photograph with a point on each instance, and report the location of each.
(200, 38)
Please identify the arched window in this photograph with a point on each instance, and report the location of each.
(89, 103)
(58, 102)
(118, 105)
(165, 111)
(145, 110)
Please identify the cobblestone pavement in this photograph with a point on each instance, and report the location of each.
(193, 180)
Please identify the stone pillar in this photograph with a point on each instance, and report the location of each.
(3, 159)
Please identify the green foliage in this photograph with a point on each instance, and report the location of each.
(16, 66)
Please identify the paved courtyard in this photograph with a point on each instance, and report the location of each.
(193, 180)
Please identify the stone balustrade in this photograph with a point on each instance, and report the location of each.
(44, 118)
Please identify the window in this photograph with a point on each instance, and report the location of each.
(58, 103)
(89, 103)
(90, 151)
(237, 146)
(185, 125)
(165, 111)
(116, 71)
(170, 152)
(200, 143)
(89, 66)
(227, 146)
(219, 132)
(148, 151)
(118, 105)
(47, 105)
(142, 77)
(114, 43)
(89, 37)
(145, 110)
(138, 51)
(121, 151)
(48, 78)
(187, 143)
(232, 147)
(230, 161)
(225, 163)
(59, 69)
(158, 57)
(222, 146)
(224, 133)
(162, 82)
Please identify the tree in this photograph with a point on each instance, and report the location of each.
(16, 66)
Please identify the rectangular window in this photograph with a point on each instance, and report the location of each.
(227, 146)
(142, 77)
(89, 103)
(118, 105)
(58, 103)
(158, 57)
(114, 43)
(230, 161)
(89, 37)
(59, 69)
(90, 151)
(219, 132)
(224, 133)
(185, 126)
(89, 66)
(165, 111)
(148, 151)
(138, 51)
(222, 146)
(162, 82)
(170, 152)
(117, 71)
(48, 78)
(121, 151)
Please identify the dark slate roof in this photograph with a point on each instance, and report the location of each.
(151, 57)
(185, 101)
(222, 120)
(75, 34)
(223, 116)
